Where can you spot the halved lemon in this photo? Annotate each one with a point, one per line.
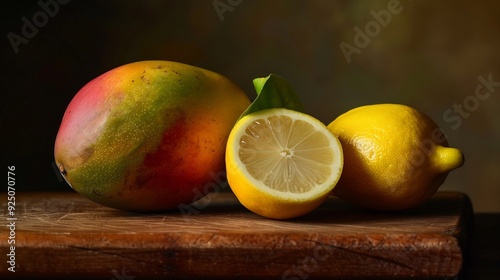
(281, 163)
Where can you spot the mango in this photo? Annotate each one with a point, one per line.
(148, 136)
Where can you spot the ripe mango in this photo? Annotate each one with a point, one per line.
(149, 135)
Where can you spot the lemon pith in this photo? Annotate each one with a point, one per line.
(282, 163)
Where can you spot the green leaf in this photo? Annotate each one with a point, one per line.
(273, 92)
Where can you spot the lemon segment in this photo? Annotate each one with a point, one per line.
(282, 163)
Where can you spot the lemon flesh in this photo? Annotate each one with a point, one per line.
(282, 163)
(395, 156)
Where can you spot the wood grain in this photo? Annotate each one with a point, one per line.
(64, 235)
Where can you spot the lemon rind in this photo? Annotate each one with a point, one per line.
(316, 192)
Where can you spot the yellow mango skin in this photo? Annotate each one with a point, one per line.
(149, 135)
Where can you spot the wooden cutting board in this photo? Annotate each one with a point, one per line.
(64, 235)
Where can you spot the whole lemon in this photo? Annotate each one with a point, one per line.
(394, 156)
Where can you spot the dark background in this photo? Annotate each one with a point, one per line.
(428, 56)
